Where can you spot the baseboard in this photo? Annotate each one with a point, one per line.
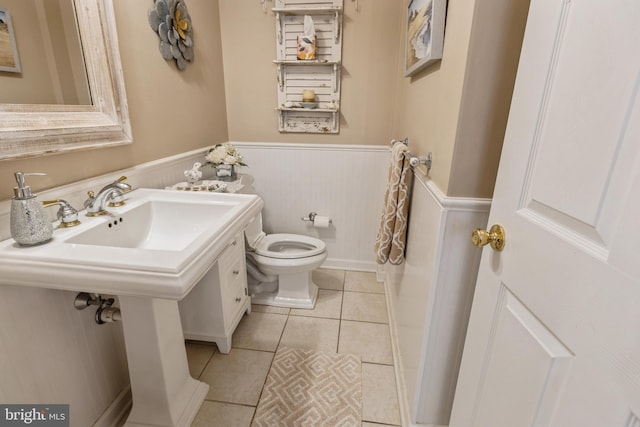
(397, 367)
(115, 414)
(401, 389)
(347, 264)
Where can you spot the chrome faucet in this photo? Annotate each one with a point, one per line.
(110, 194)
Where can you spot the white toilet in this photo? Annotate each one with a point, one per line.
(280, 265)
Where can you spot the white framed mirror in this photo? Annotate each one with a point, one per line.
(37, 129)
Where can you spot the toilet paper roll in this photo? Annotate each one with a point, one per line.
(321, 221)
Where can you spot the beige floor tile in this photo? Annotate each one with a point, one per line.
(237, 377)
(364, 307)
(328, 305)
(371, 341)
(379, 396)
(198, 355)
(258, 308)
(259, 331)
(361, 281)
(216, 414)
(311, 333)
(328, 279)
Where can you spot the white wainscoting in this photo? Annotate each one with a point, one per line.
(344, 182)
(52, 353)
(429, 300)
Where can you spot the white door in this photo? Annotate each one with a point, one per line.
(554, 335)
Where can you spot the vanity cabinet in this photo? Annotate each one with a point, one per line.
(322, 74)
(215, 306)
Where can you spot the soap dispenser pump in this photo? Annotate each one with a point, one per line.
(30, 224)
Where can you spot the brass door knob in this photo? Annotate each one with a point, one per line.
(494, 237)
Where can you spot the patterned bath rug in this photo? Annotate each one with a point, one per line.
(311, 388)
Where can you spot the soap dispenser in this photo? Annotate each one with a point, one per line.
(30, 224)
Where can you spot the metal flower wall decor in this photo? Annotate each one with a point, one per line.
(170, 19)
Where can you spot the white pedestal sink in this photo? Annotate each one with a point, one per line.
(150, 253)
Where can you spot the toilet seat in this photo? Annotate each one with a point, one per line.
(289, 246)
(281, 245)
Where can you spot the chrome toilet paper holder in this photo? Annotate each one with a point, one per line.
(311, 217)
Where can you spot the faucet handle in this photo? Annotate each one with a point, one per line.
(90, 200)
(117, 198)
(67, 214)
(121, 185)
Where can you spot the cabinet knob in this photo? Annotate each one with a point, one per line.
(236, 272)
(235, 242)
(238, 299)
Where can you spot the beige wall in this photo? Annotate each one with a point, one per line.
(33, 84)
(370, 52)
(171, 111)
(66, 52)
(458, 107)
(496, 40)
(428, 104)
(50, 54)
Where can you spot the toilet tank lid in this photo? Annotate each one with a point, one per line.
(253, 233)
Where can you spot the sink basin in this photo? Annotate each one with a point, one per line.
(158, 245)
(157, 225)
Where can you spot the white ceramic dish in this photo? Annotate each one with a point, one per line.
(309, 105)
(205, 185)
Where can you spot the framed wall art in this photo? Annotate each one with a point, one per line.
(9, 60)
(425, 34)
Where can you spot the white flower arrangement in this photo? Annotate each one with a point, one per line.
(224, 154)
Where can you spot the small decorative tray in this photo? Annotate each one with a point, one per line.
(204, 185)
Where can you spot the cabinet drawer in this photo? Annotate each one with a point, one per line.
(233, 276)
(233, 251)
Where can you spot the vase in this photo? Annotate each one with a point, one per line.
(226, 173)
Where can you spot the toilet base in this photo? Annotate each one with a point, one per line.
(288, 292)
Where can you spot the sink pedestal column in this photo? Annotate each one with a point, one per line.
(164, 394)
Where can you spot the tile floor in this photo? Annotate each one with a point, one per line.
(350, 317)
